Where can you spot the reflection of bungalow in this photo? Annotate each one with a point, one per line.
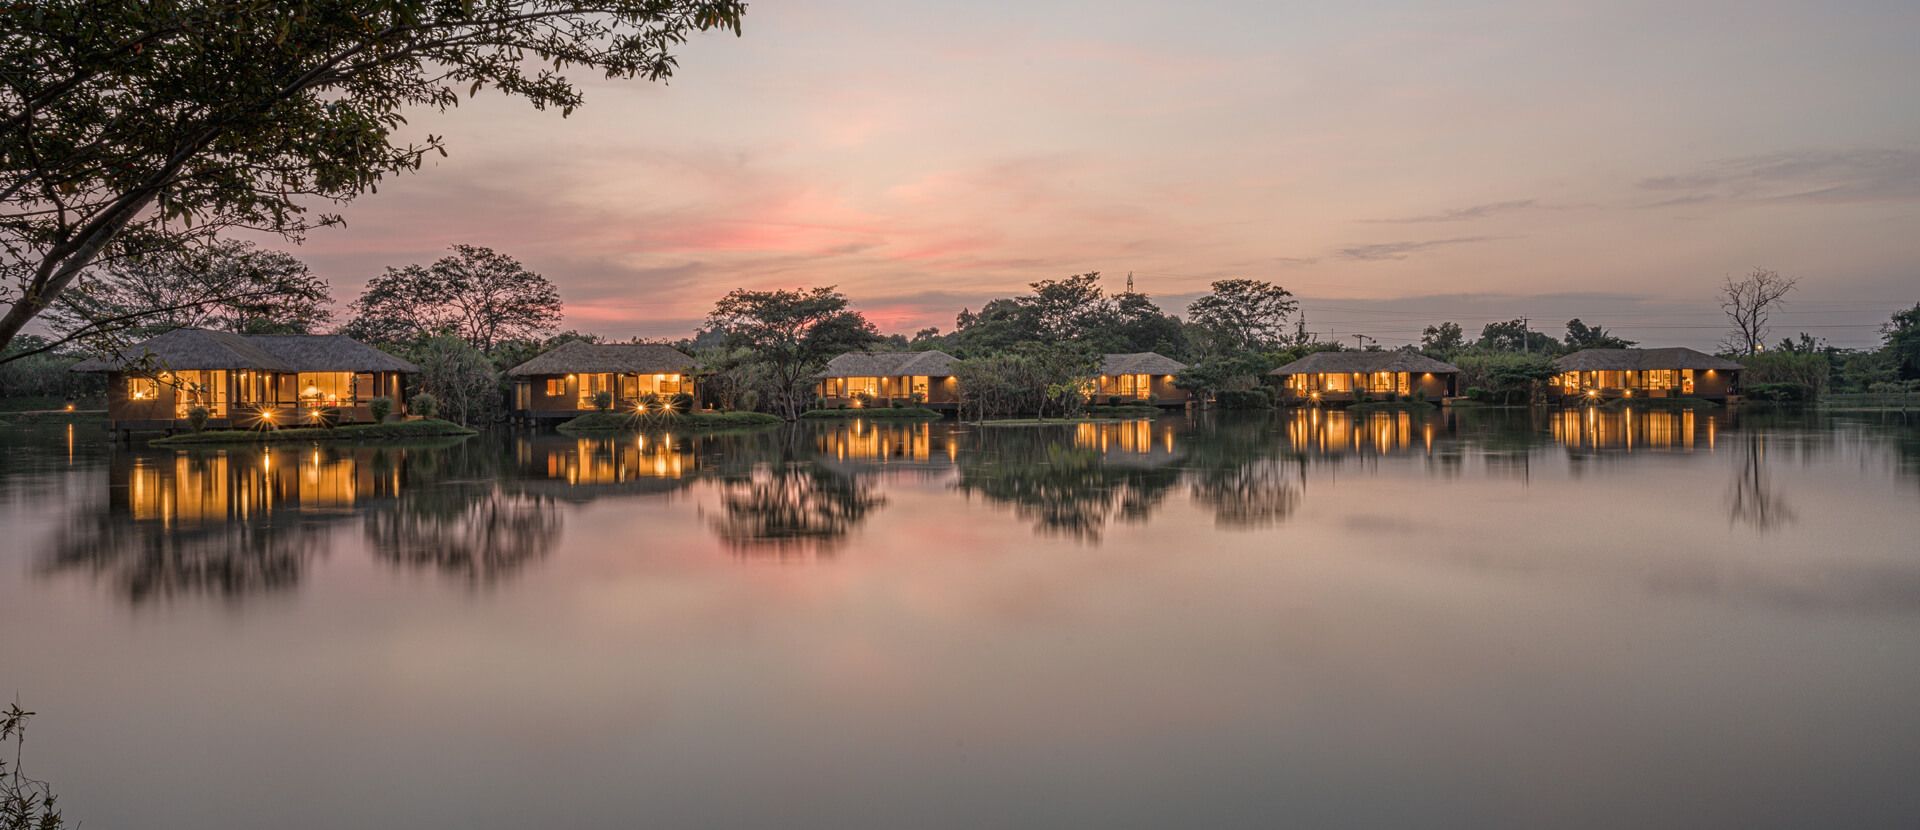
(883, 377)
(1140, 377)
(1334, 376)
(1654, 373)
(241, 379)
(563, 381)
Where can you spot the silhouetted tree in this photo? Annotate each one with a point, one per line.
(475, 294)
(1243, 314)
(1749, 303)
(791, 335)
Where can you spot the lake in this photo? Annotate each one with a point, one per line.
(1479, 618)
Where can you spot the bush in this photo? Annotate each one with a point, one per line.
(1360, 395)
(424, 404)
(381, 408)
(1783, 368)
(863, 399)
(896, 403)
(1419, 394)
(681, 402)
(1113, 400)
(197, 417)
(747, 401)
(1243, 399)
(603, 400)
(1780, 392)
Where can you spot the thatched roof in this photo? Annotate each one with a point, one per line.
(579, 356)
(932, 363)
(1140, 363)
(192, 349)
(1636, 360)
(1336, 363)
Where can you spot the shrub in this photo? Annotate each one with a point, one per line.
(1787, 368)
(1243, 399)
(197, 417)
(863, 399)
(918, 398)
(424, 404)
(896, 403)
(1419, 395)
(381, 408)
(603, 400)
(747, 401)
(1478, 394)
(1780, 392)
(1360, 394)
(651, 403)
(1113, 400)
(681, 402)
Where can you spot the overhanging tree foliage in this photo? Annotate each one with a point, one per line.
(133, 127)
(226, 285)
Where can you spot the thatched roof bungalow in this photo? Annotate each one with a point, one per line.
(563, 381)
(1657, 373)
(244, 379)
(862, 378)
(1139, 377)
(1336, 376)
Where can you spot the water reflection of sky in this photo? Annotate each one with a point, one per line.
(1621, 619)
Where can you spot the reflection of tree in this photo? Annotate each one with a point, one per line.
(1063, 489)
(791, 507)
(1237, 471)
(229, 559)
(1752, 500)
(477, 534)
(1260, 493)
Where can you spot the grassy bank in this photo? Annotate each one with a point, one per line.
(22, 419)
(625, 422)
(1125, 410)
(876, 413)
(392, 431)
(1871, 402)
(1667, 404)
(1047, 422)
(1392, 406)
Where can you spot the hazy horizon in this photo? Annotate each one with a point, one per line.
(1392, 165)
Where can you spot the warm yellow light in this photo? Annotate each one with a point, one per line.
(69, 407)
(1627, 393)
(266, 414)
(1593, 393)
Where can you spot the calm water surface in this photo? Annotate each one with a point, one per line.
(1481, 619)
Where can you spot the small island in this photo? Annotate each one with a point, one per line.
(389, 431)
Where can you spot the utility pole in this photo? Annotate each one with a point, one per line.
(1361, 339)
(1129, 282)
(1526, 336)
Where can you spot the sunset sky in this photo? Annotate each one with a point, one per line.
(1393, 163)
